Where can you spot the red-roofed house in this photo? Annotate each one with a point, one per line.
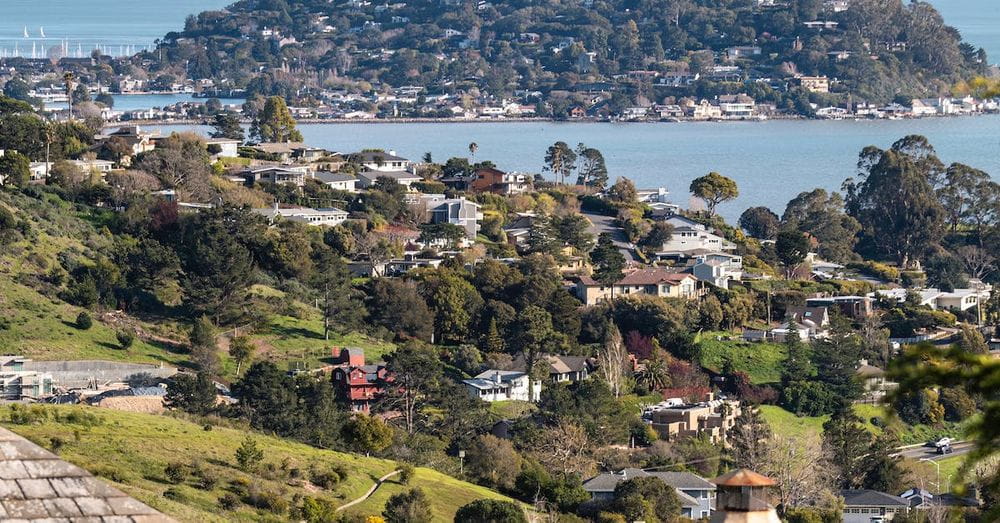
(358, 384)
(654, 282)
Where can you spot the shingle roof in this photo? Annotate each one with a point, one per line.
(38, 486)
(645, 277)
(871, 498)
(607, 481)
(328, 177)
(743, 478)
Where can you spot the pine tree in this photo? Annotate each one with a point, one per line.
(204, 350)
(749, 440)
(492, 341)
(797, 365)
(248, 455)
(275, 123)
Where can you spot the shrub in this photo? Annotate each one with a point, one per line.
(876, 270)
(228, 501)
(490, 510)
(125, 339)
(406, 472)
(56, 443)
(248, 456)
(84, 321)
(176, 472)
(175, 494)
(268, 500)
(325, 478)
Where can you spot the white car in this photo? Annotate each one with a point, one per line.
(943, 442)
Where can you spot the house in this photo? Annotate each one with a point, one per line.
(502, 385)
(921, 499)
(337, 181)
(367, 179)
(380, 161)
(814, 84)
(703, 110)
(871, 506)
(498, 182)
(222, 147)
(436, 208)
(393, 267)
(815, 319)
(736, 106)
(18, 385)
(782, 333)
(519, 229)
(686, 240)
(654, 282)
(325, 216)
(697, 495)
(742, 51)
(277, 175)
(919, 107)
(956, 300)
(134, 138)
(718, 268)
(280, 151)
(873, 381)
(562, 369)
(356, 383)
(854, 307)
(711, 419)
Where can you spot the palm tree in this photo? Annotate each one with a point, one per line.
(656, 374)
(473, 147)
(68, 82)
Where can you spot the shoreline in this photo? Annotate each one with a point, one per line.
(391, 121)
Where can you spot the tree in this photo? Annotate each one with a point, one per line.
(971, 340)
(714, 189)
(367, 434)
(750, 440)
(493, 461)
(659, 234)
(227, 125)
(473, 147)
(398, 307)
(760, 223)
(249, 455)
(533, 337)
(241, 349)
(894, 200)
(624, 192)
(883, 466)
(338, 299)
(791, 249)
(821, 216)
(978, 262)
(274, 123)
(195, 394)
(797, 365)
(408, 507)
(68, 80)
(847, 443)
(490, 511)
(125, 339)
(416, 374)
(84, 321)
(613, 362)
(608, 261)
(593, 171)
(15, 169)
(204, 350)
(639, 497)
(560, 160)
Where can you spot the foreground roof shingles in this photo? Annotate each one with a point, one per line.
(35, 485)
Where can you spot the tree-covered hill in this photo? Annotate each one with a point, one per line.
(874, 50)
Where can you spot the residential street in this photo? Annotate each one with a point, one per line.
(600, 223)
(930, 453)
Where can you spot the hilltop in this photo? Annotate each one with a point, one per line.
(554, 53)
(133, 451)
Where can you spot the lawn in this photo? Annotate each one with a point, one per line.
(761, 361)
(789, 425)
(131, 451)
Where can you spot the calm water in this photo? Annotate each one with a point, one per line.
(977, 20)
(771, 161)
(118, 26)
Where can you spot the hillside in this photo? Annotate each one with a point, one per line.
(132, 451)
(36, 321)
(875, 50)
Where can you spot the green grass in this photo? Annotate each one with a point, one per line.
(761, 361)
(131, 451)
(786, 424)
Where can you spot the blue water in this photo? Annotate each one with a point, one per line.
(117, 26)
(977, 20)
(771, 161)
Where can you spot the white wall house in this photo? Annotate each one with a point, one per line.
(502, 385)
(329, 216)
(687, 239)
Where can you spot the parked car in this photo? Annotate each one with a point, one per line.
(943, 442)
(945, 449)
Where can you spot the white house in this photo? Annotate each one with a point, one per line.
(337, 181)
(689, 240)
(502, 385)
(718, 268)
(381, 161)
(222, 147)
(328, 216)
(404, 178)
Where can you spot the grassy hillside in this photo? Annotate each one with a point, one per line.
(787, 424)
(761, 361)
(133, 450)
(35, 322)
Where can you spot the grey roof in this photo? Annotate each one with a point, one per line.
(38, 486)
(328, 177)
(871, 498)
(607, 481)
(395, 175)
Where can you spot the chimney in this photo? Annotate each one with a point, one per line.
(275, 205)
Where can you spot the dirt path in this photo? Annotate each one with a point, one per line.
(369, 493)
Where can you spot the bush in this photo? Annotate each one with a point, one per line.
(84, 321)
(406, 472)
(268, 500)
(176, 472)
(490, 511)
(876, 270)
(125, 339)
(175, 494)
(326, 479)
(228, 501)
(808, 398)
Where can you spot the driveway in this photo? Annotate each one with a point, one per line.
(600, 223)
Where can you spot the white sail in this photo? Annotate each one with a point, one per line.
(26, 31)
(41, 31)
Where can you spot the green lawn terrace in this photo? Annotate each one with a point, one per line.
(132, 452)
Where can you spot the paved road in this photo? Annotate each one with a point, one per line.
(600, 223)
(929, 453)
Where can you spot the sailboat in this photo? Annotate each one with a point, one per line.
(26, 32)
(41, 31)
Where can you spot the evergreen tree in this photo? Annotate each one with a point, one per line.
(797, 365)
(204, 350)
(847, 443)
(227, 125)
(714, 189)
(274, 123)
(560, 160)
(194, 394)
(608, 261)
(492, 341)
(883, 467)
(408, 507)
(249, 455)
(749, 439)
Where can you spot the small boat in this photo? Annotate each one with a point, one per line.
(26, 32)
(41, 31)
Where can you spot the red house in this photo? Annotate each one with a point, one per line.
(358, 384)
